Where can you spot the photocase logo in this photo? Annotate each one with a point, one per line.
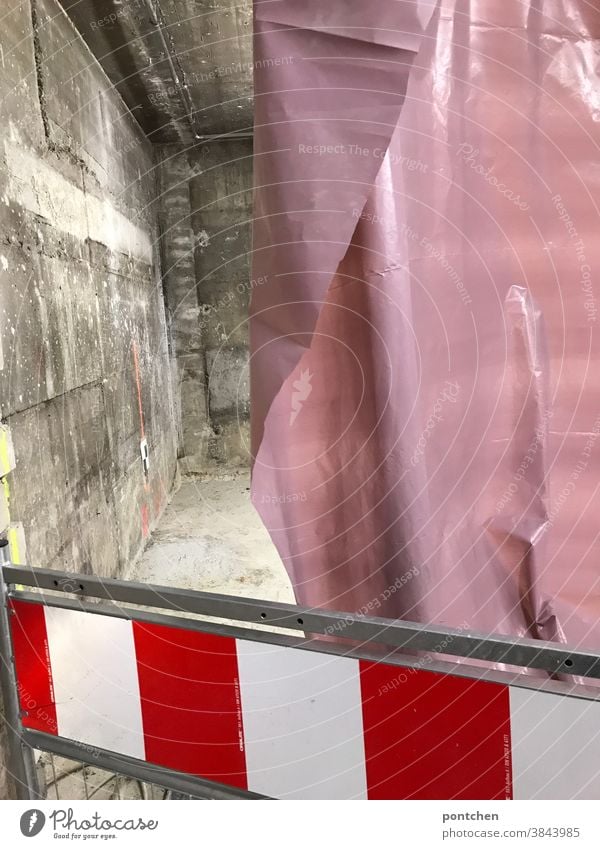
(32, 822)
(302, 389)
(64, 823)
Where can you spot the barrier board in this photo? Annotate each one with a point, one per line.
(293, 724)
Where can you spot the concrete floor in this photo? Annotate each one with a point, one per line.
(211, 538)
(67, 780)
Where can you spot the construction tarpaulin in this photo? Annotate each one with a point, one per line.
(425, 380)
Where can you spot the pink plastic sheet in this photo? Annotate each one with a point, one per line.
(425, 380)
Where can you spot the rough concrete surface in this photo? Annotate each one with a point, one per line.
(211, 538)
(85, 366)
(205, 210)
(124, 287)
(65, 779)
(85, 363)
(184, 70)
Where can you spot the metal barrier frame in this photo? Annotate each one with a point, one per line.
(364, 637)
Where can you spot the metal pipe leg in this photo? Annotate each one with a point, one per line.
(21, 761)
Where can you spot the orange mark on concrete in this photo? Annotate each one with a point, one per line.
(145, 521)
(138, 382)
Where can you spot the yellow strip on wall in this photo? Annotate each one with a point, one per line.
(5, 453)
(14, 544)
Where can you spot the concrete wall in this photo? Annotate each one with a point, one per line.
(84, 365)
(206, 215)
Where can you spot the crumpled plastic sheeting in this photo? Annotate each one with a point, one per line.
(425, 387)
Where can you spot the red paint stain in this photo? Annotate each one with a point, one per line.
(145, 521)
(138, 383)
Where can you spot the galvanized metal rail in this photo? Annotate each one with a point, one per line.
(21, 763)
(394, 641)
(410, 636)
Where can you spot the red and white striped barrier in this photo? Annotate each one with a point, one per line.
(296, 724)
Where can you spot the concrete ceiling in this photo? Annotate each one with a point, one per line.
(184, 67)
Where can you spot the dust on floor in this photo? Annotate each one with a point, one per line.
(211, 538)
